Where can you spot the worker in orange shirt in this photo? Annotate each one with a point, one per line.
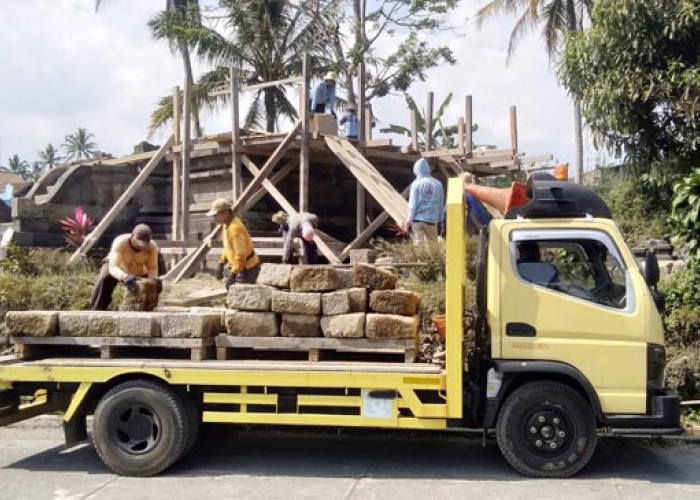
(239, 252)
(132, 256)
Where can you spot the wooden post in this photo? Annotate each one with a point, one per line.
(360, 208)
(368, 123)
(469, 119)
(236, 180)
(361, 110)
(460, 134)
(109, 217)
(514, 130)
(414, 130)
(187, 117)
(177, 167)
(304, 151)
(429, 123)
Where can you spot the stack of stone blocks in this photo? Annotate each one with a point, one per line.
(322, 301)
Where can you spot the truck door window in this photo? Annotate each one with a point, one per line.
(581, 268)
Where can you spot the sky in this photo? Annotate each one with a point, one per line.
(63, 66)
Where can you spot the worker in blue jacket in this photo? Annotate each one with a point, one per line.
(323, 99)
(349, 122)
(425, 204)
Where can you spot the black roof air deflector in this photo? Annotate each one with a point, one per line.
(552, 199)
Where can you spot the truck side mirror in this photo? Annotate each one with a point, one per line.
(651, 269)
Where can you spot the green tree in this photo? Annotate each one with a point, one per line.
(172, 25)
(79, 146)
(49, 156)
(18, 166)
(558, 19)
(637, 74)
(265, 40)
(393, 63)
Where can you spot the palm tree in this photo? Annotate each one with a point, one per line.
(558, 18)
(79, 146)
(266, 41)
(18, 166)
(49, 156)
(181, 15)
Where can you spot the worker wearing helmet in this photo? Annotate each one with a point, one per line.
(239, 252)
(300, 225)
(323, 98)
(132, 255)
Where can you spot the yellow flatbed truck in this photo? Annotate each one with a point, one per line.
(569, 345)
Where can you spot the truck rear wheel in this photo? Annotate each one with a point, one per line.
(140, 428)
(546, 430)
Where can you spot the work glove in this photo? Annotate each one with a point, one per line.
(159, 285)
(130, 284)
(220, 271)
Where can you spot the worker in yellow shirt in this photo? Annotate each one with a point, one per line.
(132, 256)
(239, 252)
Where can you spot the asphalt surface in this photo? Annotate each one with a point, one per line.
(259, 464)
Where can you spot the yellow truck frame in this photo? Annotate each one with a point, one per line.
(593, 381)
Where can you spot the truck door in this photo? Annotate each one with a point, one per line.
(567, 296)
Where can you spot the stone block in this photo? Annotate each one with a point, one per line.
(344, 278)
(334, 303)
(74, 323)
(372, 277)
(190, 325)
(358, 299)
(139, 324)
(403, 302)
(363, 255)
(251, 324)
(391, 326)
(314, 279)
(344, 326)
(104, 324)
(296, 303)
(300, 325)
(144, 299)
(276, 275)
(250, 297)
(32, 323)
(384, 261)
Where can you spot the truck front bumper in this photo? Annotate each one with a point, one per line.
(664, 418)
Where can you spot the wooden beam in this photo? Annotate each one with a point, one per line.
(236, 182)
(187, 112)
(369, 230)
(428, 136)
(224, 91)
(469, 121)
(287, 207)
(369, 118)
(514, 129)
(361, 104)
(258, 195)
(414, 130)
(177, 167)
(436, 153)
(109, 217)
(304, 125)
(360, 208)
(460, 134)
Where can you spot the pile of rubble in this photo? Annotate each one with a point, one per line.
(314, 301)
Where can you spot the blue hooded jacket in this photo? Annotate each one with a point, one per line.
(427, 196)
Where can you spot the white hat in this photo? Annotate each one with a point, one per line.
(219, 205)
(330, 76)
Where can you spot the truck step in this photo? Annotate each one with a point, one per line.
(197, 349)
(316, 348)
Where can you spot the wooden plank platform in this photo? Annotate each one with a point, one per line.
(109, 347)
(316, 346)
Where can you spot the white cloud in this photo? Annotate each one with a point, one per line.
(65, 66)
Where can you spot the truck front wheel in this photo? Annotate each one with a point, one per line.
(546, 430)
(140, 428)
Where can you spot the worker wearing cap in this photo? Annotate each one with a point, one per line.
(239, 252)
(323, 99)
(132, 256)
(298, 225)
(425, 203)
(349, 122)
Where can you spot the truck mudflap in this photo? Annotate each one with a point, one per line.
(665, 418)
(11, 411)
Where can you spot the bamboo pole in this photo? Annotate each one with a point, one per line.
(304, 151)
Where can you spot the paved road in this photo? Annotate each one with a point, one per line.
(261, 464)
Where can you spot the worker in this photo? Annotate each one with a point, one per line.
(132, 256)
(323, 99)
(424, 204)
(239, 253)
(350, 122)
(298, 225)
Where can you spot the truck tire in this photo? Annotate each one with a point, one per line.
(546, 430)
(194, 419)
(140, 428)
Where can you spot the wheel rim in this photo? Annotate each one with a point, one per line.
(136, 429)
(548, 431)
